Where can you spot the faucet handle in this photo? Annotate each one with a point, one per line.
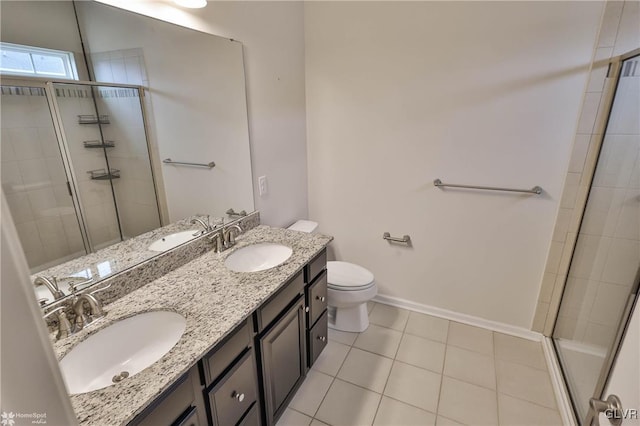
(64, 326)
(54, 311)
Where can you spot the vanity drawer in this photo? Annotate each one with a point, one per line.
(190, 418)
(169, 408)
(221, 357)
(318, 338)
(266, 314)
(315, 266)
(317, 298)
(235, 393)
(252, 418)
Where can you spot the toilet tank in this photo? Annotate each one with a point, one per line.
(307, 226)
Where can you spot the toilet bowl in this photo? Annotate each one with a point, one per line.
(349, 288)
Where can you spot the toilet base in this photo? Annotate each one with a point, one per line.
(354, 319)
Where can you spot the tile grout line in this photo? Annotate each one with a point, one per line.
(495, 373)
(444, 361)
(334, 377)
(384, 388)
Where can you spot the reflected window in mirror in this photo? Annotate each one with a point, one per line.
(30, 61)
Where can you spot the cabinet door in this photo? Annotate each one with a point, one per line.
(282, 350)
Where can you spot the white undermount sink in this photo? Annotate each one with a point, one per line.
(121, 350)
(173, 240)
(258, 257)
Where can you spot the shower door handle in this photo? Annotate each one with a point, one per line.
(611, 407)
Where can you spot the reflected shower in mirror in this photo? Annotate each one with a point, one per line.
(82, 164)
(65, 193)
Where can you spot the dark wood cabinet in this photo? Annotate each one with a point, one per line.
(249, 378)
(316, 298)
(178, 405)
(283, 360)
(235, 393)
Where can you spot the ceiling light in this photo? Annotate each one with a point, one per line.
(191, 4)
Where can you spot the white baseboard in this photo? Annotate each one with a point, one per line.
(562, 394)
(500, 327)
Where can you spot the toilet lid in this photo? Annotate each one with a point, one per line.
(348, 276)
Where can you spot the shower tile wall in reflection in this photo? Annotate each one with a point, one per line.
(135, 192)
(34, 181)
(137, 203)
(95, 195)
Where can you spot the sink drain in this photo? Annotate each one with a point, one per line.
(120, 377)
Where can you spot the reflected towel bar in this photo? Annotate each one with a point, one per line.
(405, 239)
(210, 165)
(535, 190)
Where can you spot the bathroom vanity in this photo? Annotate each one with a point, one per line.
(249, 340)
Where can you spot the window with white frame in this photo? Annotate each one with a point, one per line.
(16, 59)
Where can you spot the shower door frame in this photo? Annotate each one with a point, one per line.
(47, 84)
(615, 68)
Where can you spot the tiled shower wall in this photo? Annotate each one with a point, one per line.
(137, 203)
(34, 181)
(608, 246)
(95, 195)
(619, 34)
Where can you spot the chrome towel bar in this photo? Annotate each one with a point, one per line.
(405, 239)
(535, 190)
(210, 165)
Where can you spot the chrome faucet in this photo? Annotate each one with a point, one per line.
(218, 239)
(228, 235)
(206, 226)
(224, 237)
(51, 285)
(95, 310)
(64, 326)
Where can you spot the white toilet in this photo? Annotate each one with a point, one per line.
(349, 288)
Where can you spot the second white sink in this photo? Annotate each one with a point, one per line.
(121, 350)
(173, 240)
(258, 257)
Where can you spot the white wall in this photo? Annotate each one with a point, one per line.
(399, 94)
(22, 22)
(272, 35)
(197, 89)
(30, 379)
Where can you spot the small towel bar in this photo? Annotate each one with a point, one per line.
(405, 239)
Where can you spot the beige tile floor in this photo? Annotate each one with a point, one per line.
(409, 368)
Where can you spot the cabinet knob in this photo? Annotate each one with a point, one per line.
(306, 309)
(320, 298)
(322, 338)
(238, 396)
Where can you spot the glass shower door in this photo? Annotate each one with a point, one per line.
(605, 267)
(35, 180)
(87, 151)
(106, 140)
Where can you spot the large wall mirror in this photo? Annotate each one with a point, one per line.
(84, 166)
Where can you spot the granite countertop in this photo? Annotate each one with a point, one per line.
(213, 300)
